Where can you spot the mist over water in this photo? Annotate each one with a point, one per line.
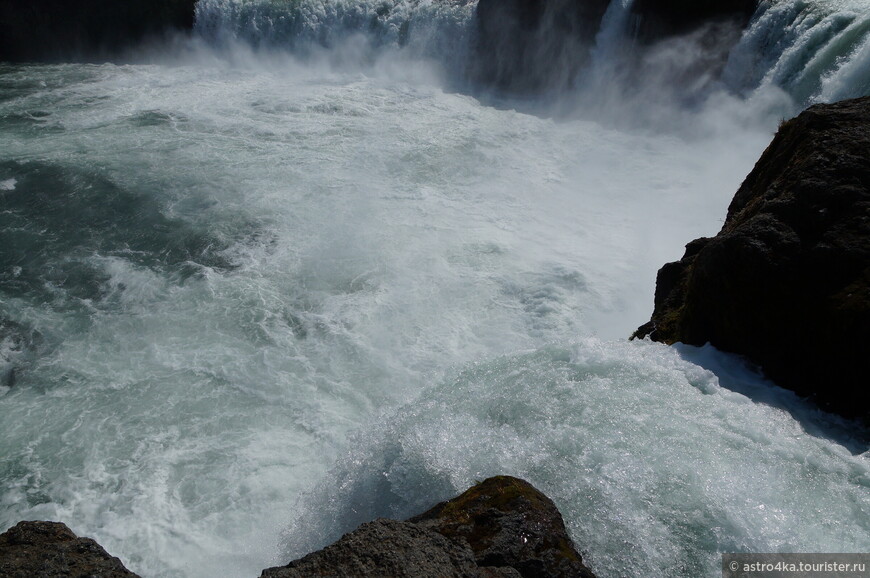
(299, 271)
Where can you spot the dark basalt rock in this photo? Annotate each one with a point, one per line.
(51, 550)
(661, 18)
(502, 527)
(534, 45)
(507, 522)
(786, 282)
(384, 548)
(53, 30)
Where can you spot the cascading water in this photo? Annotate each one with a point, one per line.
(815, 51)
(423, 28)
(281, 281)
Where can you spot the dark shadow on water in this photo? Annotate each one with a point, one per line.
(739, 375)
(55, 219)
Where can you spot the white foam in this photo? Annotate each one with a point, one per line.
(460, 274)
(814, 50)
(851, 77)
(635, 444)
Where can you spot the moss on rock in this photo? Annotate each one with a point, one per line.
(507, 522)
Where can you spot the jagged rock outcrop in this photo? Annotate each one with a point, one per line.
(51, 550)
(786, 282)
(502, 527)
(660, 18)
(507, 522)
(54, 30)
(534, 45)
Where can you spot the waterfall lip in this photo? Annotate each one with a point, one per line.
(798, 47)
(793, 45)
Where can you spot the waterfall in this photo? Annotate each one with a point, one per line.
(814, 51)
(302, 269)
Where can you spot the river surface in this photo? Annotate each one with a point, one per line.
(252, 296)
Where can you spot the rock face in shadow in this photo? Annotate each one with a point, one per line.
(502, 527)
(54, 30)
(661, 18)
(51, 550)
(533, 45)
(786, 282)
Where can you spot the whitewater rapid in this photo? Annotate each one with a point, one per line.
(255, 299)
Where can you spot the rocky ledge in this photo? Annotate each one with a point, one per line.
(500, 528)
(786, 282)
(51, 550)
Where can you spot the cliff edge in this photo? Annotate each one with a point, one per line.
(501, 527)
(786, 282)
(52, 550)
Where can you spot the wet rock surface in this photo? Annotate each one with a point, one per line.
(384, 548)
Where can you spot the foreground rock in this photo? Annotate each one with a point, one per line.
(502, 527)
(507, 522)
(384, 548)
(51, 550)
(786, 282)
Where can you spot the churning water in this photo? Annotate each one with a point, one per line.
(289, 277)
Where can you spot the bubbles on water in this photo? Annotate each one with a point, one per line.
(635, 445)
(269, 254)
(850, 77)
(59, 221)
(812, 50)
